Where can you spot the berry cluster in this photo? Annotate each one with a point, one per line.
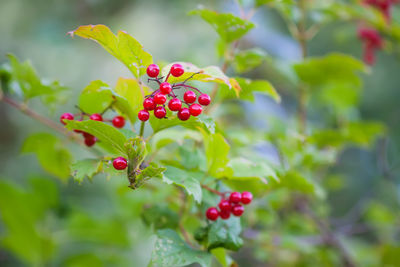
(156, 102)
(90, 140)
(230, 205)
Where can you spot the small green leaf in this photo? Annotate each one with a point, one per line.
(160, 217)
(122, 46)
(248, 59)
(183, 179)
(152, 171)
(52, 155)
(228, 26)
(225, 234)
(112, 139)
(171, 251)
(96, 97)
(85, 168)
(260, 86)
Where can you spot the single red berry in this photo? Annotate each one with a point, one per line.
(235, 197)
(160, 99)
(90, 140)
(175, 104)
(237, 210)
(149, 103)
(189, 97)
(165, 88)
(120, 163)
(177, 70)
(153, 70)
(160, 112)
(66, 116)
(247, 197)
(204, 99)
(184, 114)
(87, 135)
(195, 110)
(225, 214)
(212, 214)
(118, 121)
(96, 117)
(224, 205)
(143, 115)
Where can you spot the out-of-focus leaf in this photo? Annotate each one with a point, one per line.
(300, 183)
(201, 122)
(244, 169)
(85, 168)
(83, 260)
(248, 59)
(160, 217)
(96, 97)
(225, 234)
(122, 46)
(168, 136)
(112, 139)
(183, 179)
(333, 68)
(217, 150)
(222, 257)
(171, 251)
(228, 26)
(152, 171)
(50, 152)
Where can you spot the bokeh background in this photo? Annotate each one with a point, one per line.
(97, 215)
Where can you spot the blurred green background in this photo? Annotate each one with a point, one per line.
(105, 225)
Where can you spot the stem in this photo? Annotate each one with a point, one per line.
(142, 128)
(185, 85)
(212, 190)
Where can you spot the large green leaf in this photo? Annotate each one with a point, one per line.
(185, 180)
(217, 150)
(122, 46)
(228, 26)
(244, 169)
(85, 168)
(171, 251)
(112, 139)
(225, 234)
(96, 97)
(50, 152)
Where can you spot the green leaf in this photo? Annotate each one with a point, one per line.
(248, 59)
(160, 217)
(185, 180)
(333, 68)
(222, 257)
(50, 152)
(122, 46)
(248, 87)
(25, 80)
(85, 168)
(96, 97)
(152, 171)
(194, 73)
(169, 136)
(217, 150)
(364, 132)
(112, 139)
(244, 169)
(300, 183)
(228, 26)
(201, 122)
(225, 234)
(171, 251)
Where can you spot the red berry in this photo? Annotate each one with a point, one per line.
(225, 214)
(175, 104)
(153, 70)
(160, 99)
(90, 140)
(120, 163)
(189, 97)
(224, 205)
(160, 112)
(204, 99)
(184, 114)
(118, 121)
(237, 210)
(96, 117)
(177, 70)
(195, 110)
(212, 214)
(247, 197)
(235, 197)
(149, 104)
(66, 116)
(87, 135)
(165, 88)
(143, 115)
